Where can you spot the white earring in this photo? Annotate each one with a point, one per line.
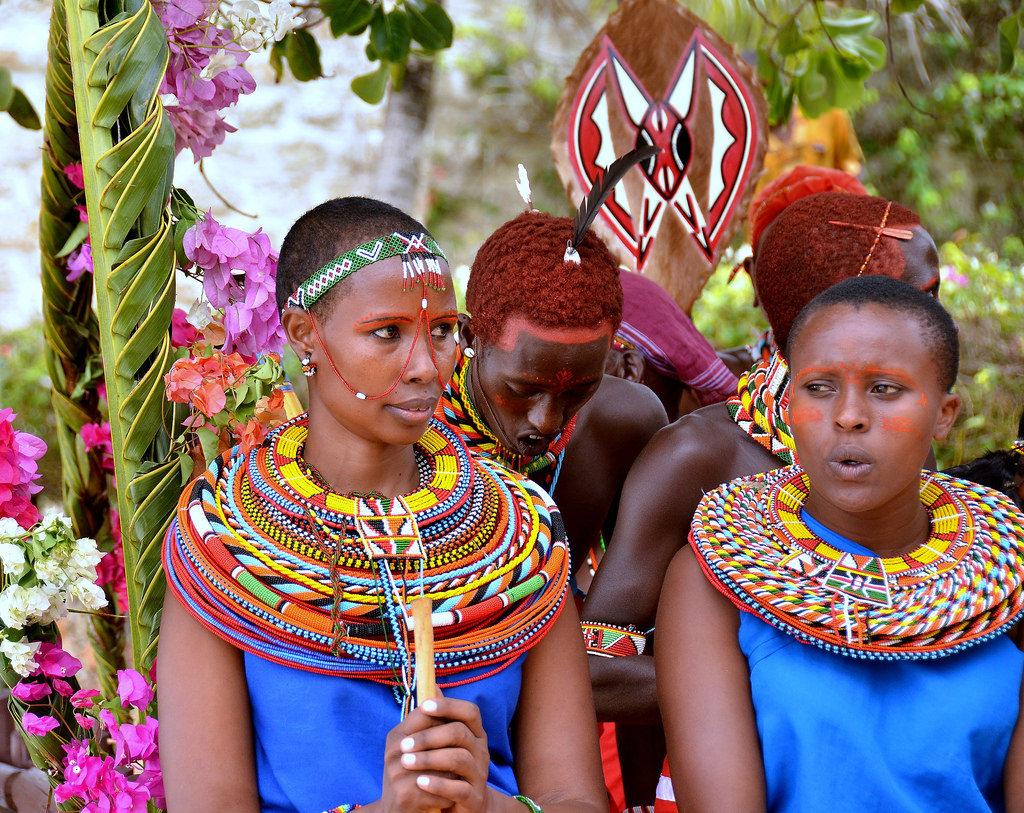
(469, 352)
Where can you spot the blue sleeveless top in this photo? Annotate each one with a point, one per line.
(846, 735)
(327, 748)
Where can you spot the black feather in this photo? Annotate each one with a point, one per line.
(591, 204)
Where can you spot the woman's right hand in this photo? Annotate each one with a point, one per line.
(437, 759)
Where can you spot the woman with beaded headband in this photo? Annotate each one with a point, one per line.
(800, 254)
(841, 634)
(288, 655)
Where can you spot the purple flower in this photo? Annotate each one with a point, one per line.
(80, 261)
(55, 662)
(133, 689)
(38, 726)
(134, 742)
(30, 692)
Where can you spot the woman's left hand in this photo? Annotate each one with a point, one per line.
(450, 756)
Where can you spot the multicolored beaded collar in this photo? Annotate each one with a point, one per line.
(963, 586)
(457, 408)
(761, 406)
(419, 253)
(269, 559)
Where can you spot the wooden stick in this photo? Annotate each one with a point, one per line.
(423, 639)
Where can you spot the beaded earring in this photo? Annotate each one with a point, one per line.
(308, 367)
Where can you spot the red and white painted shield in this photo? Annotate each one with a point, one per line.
(656, 74)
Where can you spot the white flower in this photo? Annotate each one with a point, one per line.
(12, 558)
(10, 529)
(24, 605)
(223, 60)
(87, 592)
(251, 40)
(200, 314)
(50, 570)
(84, 558)
(57, 609)
(21, 655)
(284, 18)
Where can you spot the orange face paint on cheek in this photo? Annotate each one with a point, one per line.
(898, 424)
(804, 415)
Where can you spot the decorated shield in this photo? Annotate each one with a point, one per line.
(657, 74)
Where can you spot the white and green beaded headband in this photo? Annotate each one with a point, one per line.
(420, 254)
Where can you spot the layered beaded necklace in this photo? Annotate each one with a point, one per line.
(268, 557)
(459, 411)
(761, 406)
(964, 585)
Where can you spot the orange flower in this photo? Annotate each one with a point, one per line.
(181, 381)
(209, 398)
(269, 410)
(250, 434)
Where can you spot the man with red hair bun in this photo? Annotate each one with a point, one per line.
(810, 245)
(530, 388)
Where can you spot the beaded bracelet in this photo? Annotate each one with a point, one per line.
(611, 641)
(342, 809)
(531, 805)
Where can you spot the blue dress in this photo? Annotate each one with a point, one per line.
(845, 735)
(328, 749)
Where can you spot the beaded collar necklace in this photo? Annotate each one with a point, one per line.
(459, 411)
(276, 563)
(964, 585)
(761, 406)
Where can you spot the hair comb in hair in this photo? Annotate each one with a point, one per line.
(591, 204)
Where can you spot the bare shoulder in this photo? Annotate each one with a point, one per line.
(624, 410)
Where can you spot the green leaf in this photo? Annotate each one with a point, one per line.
(75, 239)
(370, 87)
(398, 75)
(430, 27)
(1009, 36)
(791, 38)
(391, 35)
(812, 90)
(303, 54)
(904, 6)
(347, 16)
(23, 113)
(277, 54)
(850, 22)
(6, 89)
(870, 50)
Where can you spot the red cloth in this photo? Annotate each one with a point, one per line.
(612, 769)
(655, 325)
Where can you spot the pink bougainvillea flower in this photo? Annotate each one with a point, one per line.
(181, 381)
(84, 774)
(136, 741)
(30, 692)
(83, 213)
(55, 662)
(84, 721)
(62, 687)
(209, 398)
(83, 698)
(97, 436)
(38, 726)
(133, 689)
(182, 333)
(80, 261)
(19, 452)
(75, 174)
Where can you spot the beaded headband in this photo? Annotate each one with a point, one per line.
(420, 255)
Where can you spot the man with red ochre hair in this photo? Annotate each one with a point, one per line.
(530, 388)
(812, 244)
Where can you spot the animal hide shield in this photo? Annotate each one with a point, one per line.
(657, 74)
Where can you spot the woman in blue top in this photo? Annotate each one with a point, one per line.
(840, 635)
(287, 650)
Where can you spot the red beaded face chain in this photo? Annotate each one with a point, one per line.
(419, 263)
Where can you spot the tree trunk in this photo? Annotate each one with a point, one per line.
(405, 120)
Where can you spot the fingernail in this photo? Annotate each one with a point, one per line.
(407, 744)
(423, 780)
(408, 760)
(429, 705)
